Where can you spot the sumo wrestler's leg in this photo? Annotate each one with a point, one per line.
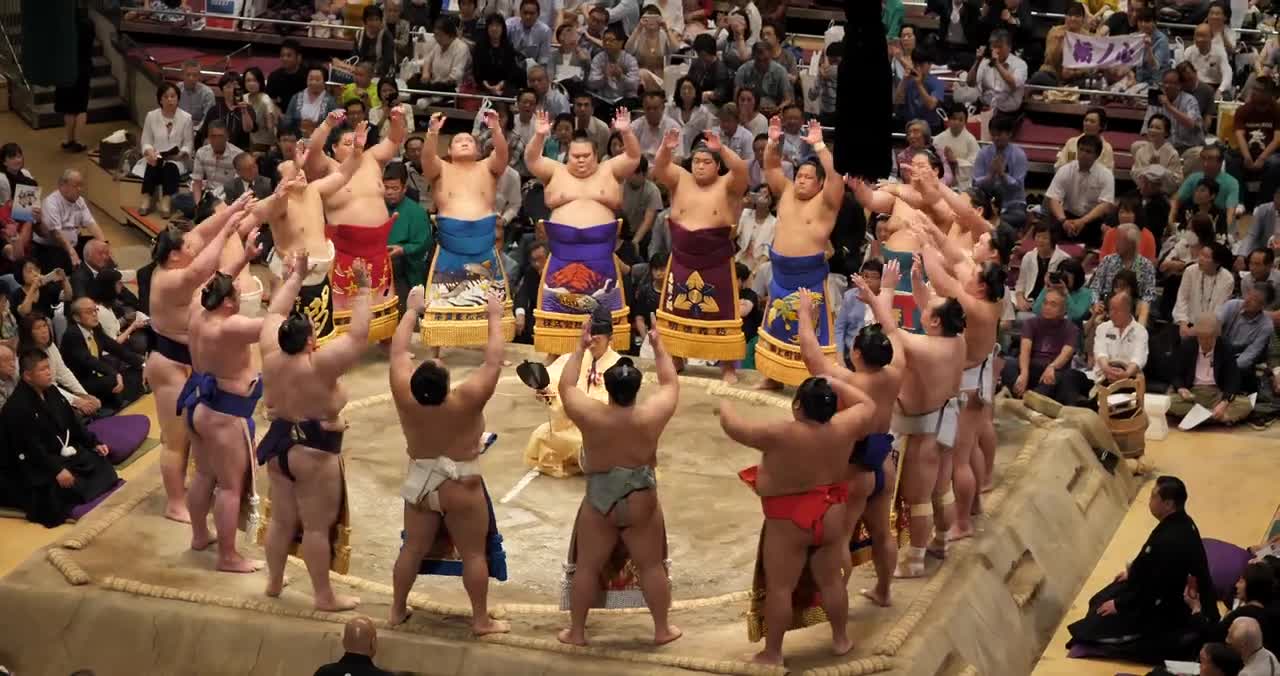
(963, 480)
(786, 547)
(884, 542)
(919, 475)
(227, 438)
(466, 514)
(826, 563)
(861, 483)
(987, 444)
(944, 501)
(319, 495)
(283, 526)
(595, 540)
(200, 493)
(646, 538)
(420, 527)
(166, 379)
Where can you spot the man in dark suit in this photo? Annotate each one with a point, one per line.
(56, 462)
(96, 258)
(526, 295)
(360, 644)
(247, 180)
(1207, 374)
(108, 370)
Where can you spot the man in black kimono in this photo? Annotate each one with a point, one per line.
(1142, 616)
(58, 462)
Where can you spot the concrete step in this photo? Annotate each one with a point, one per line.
(102, 86)
(101, 109)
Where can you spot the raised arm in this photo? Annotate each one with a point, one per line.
(832, 187)
(282, 301)
(881, 304)
(666, 172)
(848, 395)
(388, 148)
(738, 174)
(205, 263)
(541, 167)
(334, 180)
(401, 358)
(624, 165)
(211, 226)
(761, 436)
(316, 161)
(342, 353)
(810, 349)
(501, 154)
(933, 190)
(875, 201)
(431, 165)
(668, 394)
(479, 386)
(946, 283)
(772, 165)
(573, 399)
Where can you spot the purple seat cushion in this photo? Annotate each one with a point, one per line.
(79, 511)
(1082, 651)
(122, 434)
(1226, 565)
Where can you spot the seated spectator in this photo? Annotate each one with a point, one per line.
(1228, 195)
(446, 61)
(63, 214)
(749, 116)
(59, 463)
(918, 140)
(1205, 287)
(1180, 107)
(1015, 18)
(737, 137)
(1153, 149)
(1217, 16)
(39, 293)
(8, 324)
(570, 62)
(1052, 73)
(756, 227)
(409, 243)
(1120, 344)
(709, 73)
(550, 99)
(1001, 170)
(1129, 210)
(1157, 58)
(999, 78)
(584, 120)
(358, 112)
(118, 307)
(1245, 637)
(524, 121)
(764, 75)
(1125, 282)
(1257, 136)
(592, 33)
(641, 202)
(195, 97)
(854, 312)
(736, 38)
(1248, 329)
(1068, 279)
(96, 258)
(1255, 594)
(1260, 267)
(247, 180)
(957, 147)
(959, 29)
(1201, 92)
(1211, 62)
(530, 36)
(495, 65)
(376, 44)
(1082, 195)
(399, 27)
(755, 166)
(266, 114)
(689, 113)
(1203, 205)
(1126, 257)
(237, 117)
(13, 171)
(1207, 373)
(1180, 249)
(919, 94)
(826, 86)
(35, 332)
(269, 164)
(1036, 264)
(650, 44)
(644, 289)
(359, 645)
(8, 381)
(109, 371)
(311, 104)
(167, 148)
(1044, 362)
(1095, 122)
(557, 145)
(902, 51)
(615, 76)
(1262, 229)
(1155, 203)
(290, 78)
(794, 148)
(1123, 23)
(526, 294)
(214, 168)
(470, 23)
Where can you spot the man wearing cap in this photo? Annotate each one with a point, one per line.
(554, 447)
(620, 438)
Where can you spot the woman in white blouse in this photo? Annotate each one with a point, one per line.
(1205, 286)
(688, 111)
(167, 140)
(265, 112)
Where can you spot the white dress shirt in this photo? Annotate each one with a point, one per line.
(67, 218)
(754, 237)
(1213, 68)
(1199, 294)
(1080, 191)
(1128, 345)
(995, 91)
(965, 149)
(448, 64)
(650, 137)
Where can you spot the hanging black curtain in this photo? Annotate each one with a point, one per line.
(50, 42)
(864, 103)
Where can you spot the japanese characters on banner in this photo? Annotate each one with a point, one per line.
(1088, 52)
(230, 8)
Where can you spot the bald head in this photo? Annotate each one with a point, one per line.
(360, 637)
(1245, 635)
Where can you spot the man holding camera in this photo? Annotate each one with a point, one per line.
(1000, 77)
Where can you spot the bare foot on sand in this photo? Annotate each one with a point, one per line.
(877, 597)
(729, 377)
(176, 511)
(764, 657)
(908, 569)
(200, 543)
(489, 626)
(274, 590)
(399, 616)
(566, 636)
(768, 385)
(664, 637)
(958, 533)
(337, 603)
(239, 564)
(841, 646)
